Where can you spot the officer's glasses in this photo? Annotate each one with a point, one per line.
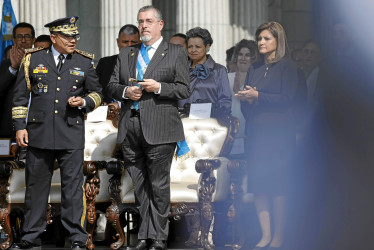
(69, 38)
(20, 37)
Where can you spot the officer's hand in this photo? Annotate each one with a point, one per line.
(150, 85)
(75, 101)
(22, 138)
(134, 93)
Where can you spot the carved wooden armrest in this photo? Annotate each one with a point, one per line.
(6, 169)
(207, 165)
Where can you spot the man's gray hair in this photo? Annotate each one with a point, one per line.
(158, 14)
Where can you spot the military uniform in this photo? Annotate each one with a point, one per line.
(55, 131)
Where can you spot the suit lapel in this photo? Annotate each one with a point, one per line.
(157, 58)
(51, 61)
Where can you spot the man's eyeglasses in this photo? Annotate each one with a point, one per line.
(20, 37)
(149, 22)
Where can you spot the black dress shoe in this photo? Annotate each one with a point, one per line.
(78, 245)
(158, 245)
(141, 245)
(25, 245)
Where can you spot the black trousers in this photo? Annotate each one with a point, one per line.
(39, 170)
(149, 167)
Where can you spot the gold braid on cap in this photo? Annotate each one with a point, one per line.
(67, 29)
(19, 112)
(96, 98)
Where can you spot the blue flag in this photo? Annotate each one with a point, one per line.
(7, 24)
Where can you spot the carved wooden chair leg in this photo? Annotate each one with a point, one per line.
(235, 213)
(92, 190)
(5, 224)
(112, 215)
(193, 239)
(6, 169)
(207, 211)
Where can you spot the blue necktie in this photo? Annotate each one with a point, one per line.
(141, 66)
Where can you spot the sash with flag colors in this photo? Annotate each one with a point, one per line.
(7, 23)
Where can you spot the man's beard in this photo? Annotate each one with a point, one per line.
(146, 38)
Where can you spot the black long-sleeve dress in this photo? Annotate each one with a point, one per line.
(270, 126)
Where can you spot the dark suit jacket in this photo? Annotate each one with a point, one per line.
(7, 81)
(52, 123)
(104, 69)
(159, 115)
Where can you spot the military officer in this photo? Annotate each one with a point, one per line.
(64, 86)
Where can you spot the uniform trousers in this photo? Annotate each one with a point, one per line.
(39, 171)
(149, 167)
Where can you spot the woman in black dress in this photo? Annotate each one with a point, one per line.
(266, 103)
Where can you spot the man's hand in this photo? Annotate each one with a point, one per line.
(22, 138)
(16, 55)
(134, 93)
(150, 85)
(75, 101)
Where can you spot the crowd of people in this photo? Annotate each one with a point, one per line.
(275, 93)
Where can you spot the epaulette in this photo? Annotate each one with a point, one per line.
(32, 50)
(86, 54)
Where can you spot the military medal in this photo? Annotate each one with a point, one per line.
(40, 87)
(40, 69)
(76, 72)
(45, 88)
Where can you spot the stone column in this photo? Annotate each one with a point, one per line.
(246, 16)
(227, 21)
(115, 14)
(39, 12)
(213, 15)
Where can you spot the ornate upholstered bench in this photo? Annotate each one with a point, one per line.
(197, 183)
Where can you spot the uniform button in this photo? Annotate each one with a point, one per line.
(76, 80)
(77, 122)
(56, 101)
(56, 111)
(58, 89)
(40, 78)
(58, 78)
(33, 119)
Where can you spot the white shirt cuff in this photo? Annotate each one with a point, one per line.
(12, 71)
(159, 91)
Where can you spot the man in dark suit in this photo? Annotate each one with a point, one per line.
(64, 86)
(23, 38)
(150, 125)
(128, 35)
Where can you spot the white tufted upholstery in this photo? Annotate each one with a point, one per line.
(205, 139)
(99, 145)
(17, 187)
